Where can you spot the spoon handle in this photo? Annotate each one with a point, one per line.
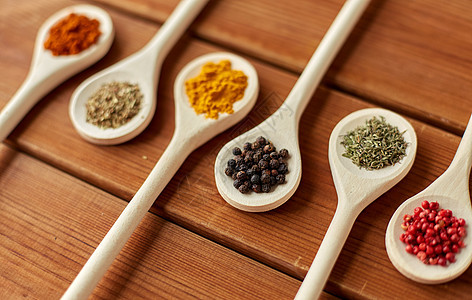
(325, 258)
(327, 254)
(32, 89)
(324, 55)
(463, 157)
(103, 256)
(173, 28)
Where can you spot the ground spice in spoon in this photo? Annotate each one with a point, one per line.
(215, 89)
(72, 35)
(114, 104)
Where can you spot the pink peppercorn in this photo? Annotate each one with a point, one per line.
(434, 235)
(450, 257)
(434, 205)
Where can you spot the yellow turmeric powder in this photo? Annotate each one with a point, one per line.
(215, 89)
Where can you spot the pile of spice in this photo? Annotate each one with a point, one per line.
(114, 104)
(434, 235)
(72, 35)
(215, 89)
(257, 167)
(375, 145)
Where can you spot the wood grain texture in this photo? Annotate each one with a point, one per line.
(412, 56)
(50, 228)
(286, 238)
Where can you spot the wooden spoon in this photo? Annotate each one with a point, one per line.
(356, 188)
(191, 131)
(47, 71)
(451, 191)
(281, 128)
(143, 68)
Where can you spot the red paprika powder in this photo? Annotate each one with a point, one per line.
(72, 35)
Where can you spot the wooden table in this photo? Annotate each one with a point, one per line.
(59, 195)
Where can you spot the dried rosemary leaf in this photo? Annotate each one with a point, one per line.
(375, 145)
(114, 104)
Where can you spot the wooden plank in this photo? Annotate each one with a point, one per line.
(50, 223)
(400, 55)
(286, 238)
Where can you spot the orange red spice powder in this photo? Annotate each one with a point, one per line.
(72, 35)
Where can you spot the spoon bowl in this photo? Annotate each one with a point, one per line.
(116, 73)
(356, 189)
(357, 119)
(142, 68)
(281, 134)
(191, 131)
(451, 191)
(47, 71)
(197, 126)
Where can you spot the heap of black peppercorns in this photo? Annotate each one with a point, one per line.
(258, 166)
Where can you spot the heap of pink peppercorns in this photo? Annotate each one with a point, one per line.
(434, 235)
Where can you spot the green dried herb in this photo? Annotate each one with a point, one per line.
(375, 145)
(114, 104)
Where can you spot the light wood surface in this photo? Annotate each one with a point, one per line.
(192, 244)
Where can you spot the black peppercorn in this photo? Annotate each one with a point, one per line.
(255, 168)
(237, 183)
(266, 188)
(256, 188)
(282, 169)
(283, 153)
(261, 140)
(243, 188)
(238, 159)
(269, 148)
(232, 163)
(265, 178)
(280, 178)
(241, 175)
(248, 159)
(274, 164)
(229, 171)
(237, 151)
(263, 164)
(243, 167)
(257, 156)
(255, 179)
